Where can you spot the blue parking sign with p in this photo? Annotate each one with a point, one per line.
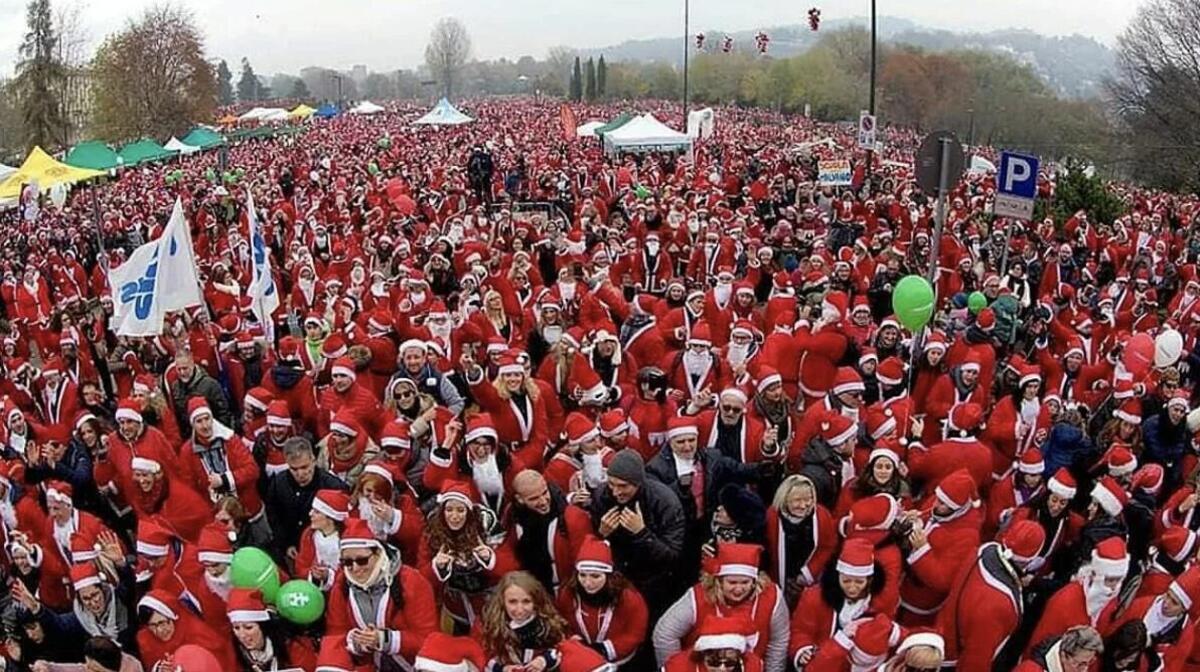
(1017, 175)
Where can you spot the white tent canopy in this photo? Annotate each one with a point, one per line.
(366, 107)
(700, 123)
(175, 145)
(981, 165)
(588, 130)
(264, 114)
(645, 133)
(5, 171)
(443, 114)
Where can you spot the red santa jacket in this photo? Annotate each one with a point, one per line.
(619, 628)
(524, 429)
(1068, 608)
(932, 567)
(365, 406)
(750, 433)
(932, 465)
(983, 610)
(824, 543)
(405, 627)
(241, 471)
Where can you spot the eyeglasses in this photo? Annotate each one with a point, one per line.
(732, 409)
(360, 561)
(405, 395)
(717, 660)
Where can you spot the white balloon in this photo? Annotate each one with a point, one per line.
(1168, 347)
(58, 194)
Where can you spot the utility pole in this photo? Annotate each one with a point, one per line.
(871, 99)
(686, 48)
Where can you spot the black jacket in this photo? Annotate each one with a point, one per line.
(718, 471)
(648, 556)
(288, 506)
(823, 466)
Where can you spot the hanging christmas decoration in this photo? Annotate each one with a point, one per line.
(700, 41)
(761, 40)
(814, 18)
(727, 44)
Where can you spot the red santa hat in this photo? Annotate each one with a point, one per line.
(1031, 462)
(1130, 411)
(1023, 539)
(767, 376)
(836, 301)
(334, 504)
(876, 512)
(1120, 461)
(161, 601)
(129, 409)
(334, 347)
(279, 414)
(723, 632)
(837, 429)
(880, 422)
(197, 408)
(701, 335)
(579, 428)
(926, 638)
(1186, 587)
(396, 436)
(480, 427)
(153, 539)
(1062, 484)
(344, 366)
(289, 348)
(1110, 558)
(1179, 399)
(508, 363)
(258, 398)
(888, 448)
(1110, 496)
(890, 371)
(59, 491)
(456, 491)
(958, 491)
(857, 558)
(587, 381)
(743, 328)
(145, 464)
(85, 574)
(738, 560)
(966, 418)
(681, 426)
(594, 555)
(214, 544)
(345, 423)
(443, 653)
(358, 534)
(872, 639)
(1149, 479)
(936, 341)
(612, 423)
(246, 605)
(846, 381)
(1177, 542)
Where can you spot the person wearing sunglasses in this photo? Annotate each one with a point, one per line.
(731, 431)
(722, 645)
(381, 609)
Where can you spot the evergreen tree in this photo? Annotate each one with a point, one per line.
(224, 84)
(41, 79)
(591, 79)
(601, 77)
(248, 88)
(300, 90)
(576, 82)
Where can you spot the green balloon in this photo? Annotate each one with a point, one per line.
(373, 168)
(300, 602)
(642, 192)
(253, 568)
(912, 301)
(210, 174)
(976, 302)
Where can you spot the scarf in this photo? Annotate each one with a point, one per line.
(114, 620)
(264, 658)
(533, 543)
(341, 465)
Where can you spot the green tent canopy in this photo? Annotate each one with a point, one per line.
(92, 154)
(144, 151)
(621, 120)
(203, 138)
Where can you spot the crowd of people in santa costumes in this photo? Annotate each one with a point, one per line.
(665, 420)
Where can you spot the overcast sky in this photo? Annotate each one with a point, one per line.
(286, 35)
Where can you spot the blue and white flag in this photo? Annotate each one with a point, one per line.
(264, 297)
(158, 277)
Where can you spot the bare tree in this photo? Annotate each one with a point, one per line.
(1156, 90)
(73, 36)
(447, 52)
(152, 78)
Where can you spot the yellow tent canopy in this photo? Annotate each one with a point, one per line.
(227, 120)
(303, 111)
(40, 167)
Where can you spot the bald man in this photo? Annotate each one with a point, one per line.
(549, 530)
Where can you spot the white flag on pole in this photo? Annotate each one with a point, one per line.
(158, 277)
(264, 298)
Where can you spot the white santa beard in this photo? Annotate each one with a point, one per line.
(417, 298)
(566, 290)
(441, 332)
(593, 469)
(695, 363)
(736, 353)
(1156, 621)
(327, 549)
(8, 514)
(722, 292)
(684, 465)
(62, 533)
(1097, 596)
(221, 585)
(488, 477)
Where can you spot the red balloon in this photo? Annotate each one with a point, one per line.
(192, 658)
(1138, 354)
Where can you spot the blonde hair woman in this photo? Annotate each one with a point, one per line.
(801, 536)
(523, 630)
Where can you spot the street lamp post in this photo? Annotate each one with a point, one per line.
(871, 97)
